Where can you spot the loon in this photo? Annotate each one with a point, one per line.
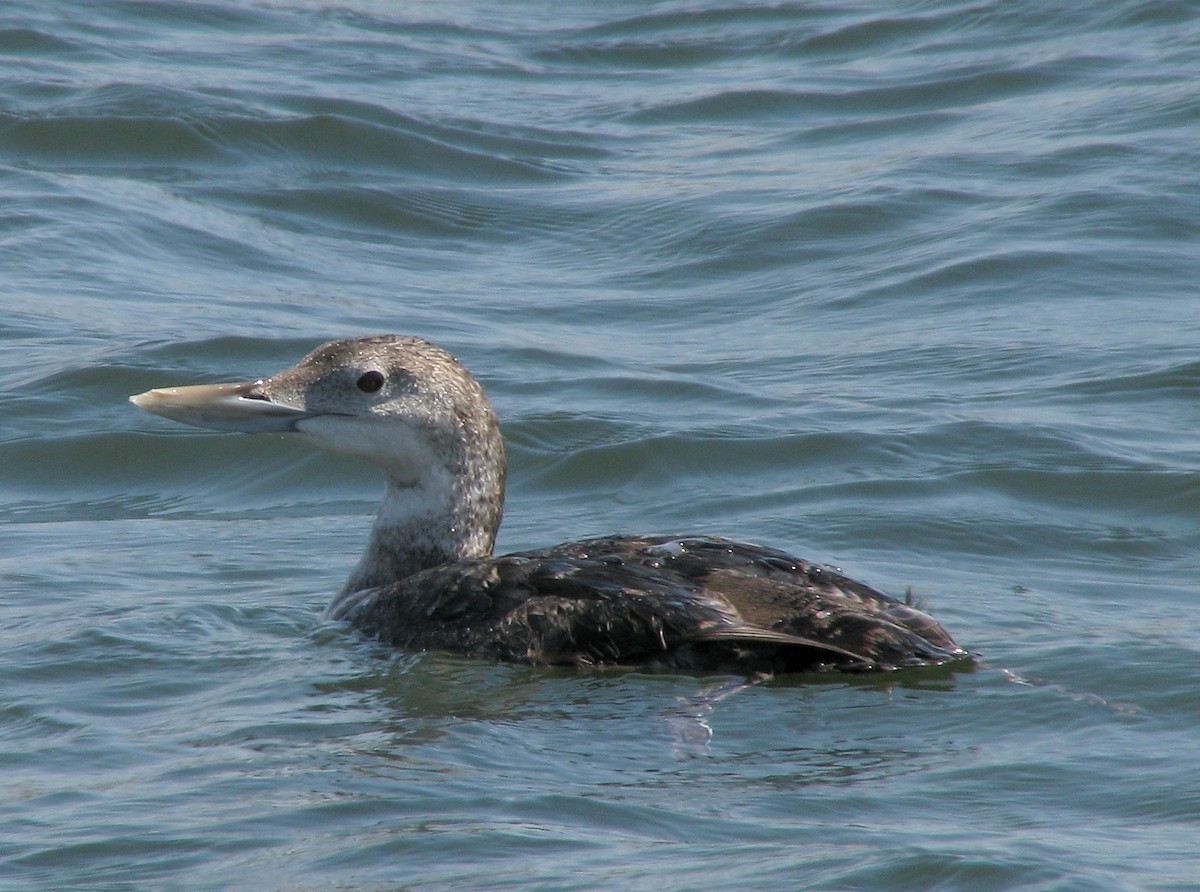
(428, 579)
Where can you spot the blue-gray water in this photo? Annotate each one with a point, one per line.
(909, 287)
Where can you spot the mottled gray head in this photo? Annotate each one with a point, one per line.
(401, 402)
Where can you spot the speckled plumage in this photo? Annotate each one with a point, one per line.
(428, 580)
(657, 601)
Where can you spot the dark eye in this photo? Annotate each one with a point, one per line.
(369, 382)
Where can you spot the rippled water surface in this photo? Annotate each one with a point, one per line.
(908, 287)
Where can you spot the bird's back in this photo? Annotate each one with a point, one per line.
(695, 603)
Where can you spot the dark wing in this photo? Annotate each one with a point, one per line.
(691, 603)
(774, 590)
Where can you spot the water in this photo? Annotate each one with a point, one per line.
(907, 287)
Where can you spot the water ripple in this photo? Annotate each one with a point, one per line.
(907, 288)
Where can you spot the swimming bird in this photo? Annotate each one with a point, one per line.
(428, 578)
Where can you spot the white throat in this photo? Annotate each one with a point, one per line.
(415, 527)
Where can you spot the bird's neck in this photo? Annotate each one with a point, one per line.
(423, 525)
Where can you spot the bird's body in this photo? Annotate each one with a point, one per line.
(656, 601)
(428, 579)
